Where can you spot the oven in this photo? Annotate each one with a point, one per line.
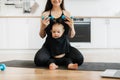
(83, 30)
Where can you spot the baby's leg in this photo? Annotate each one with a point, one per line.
(53, 66)
(73, 66)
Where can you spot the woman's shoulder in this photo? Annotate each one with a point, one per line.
(66, 13)
(46, 13)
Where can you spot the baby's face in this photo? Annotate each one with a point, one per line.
(57, 30)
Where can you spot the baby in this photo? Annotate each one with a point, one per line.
(59, 47)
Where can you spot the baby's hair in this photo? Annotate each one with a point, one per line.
(58, 24)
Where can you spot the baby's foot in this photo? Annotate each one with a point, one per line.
(53, 66)
(73, 66)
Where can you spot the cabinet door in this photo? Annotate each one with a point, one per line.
(34, 40)
(3, 33)
(98, 33)
(17, 33)
(23, 33)
(20, 33)
(114, 33)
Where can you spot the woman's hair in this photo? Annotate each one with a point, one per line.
(49, 5)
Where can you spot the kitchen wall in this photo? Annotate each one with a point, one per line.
(93, 7)
(76, 7)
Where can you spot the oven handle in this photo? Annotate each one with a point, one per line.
(82, 23)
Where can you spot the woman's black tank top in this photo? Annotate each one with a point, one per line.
(59, 45)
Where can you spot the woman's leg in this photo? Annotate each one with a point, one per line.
(75, 56)
(42, 57)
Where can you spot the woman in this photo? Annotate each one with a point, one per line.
(54, 11)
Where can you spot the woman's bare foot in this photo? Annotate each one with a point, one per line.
(53, 66)
(73, 66)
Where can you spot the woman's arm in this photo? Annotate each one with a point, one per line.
(42, 32)
(71, 24)
(44, 23)
(72, 31)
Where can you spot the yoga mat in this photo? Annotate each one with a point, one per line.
(86, 66)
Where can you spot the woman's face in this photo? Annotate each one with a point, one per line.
(56, 2)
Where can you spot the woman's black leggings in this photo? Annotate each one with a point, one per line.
(42, 57)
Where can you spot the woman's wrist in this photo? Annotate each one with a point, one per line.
(42, 32)
(72, 28)
(72, 32)
(42, 29)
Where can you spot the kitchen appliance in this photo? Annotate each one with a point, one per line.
(111, 73)
(83, 31)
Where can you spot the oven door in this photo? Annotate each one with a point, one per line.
(83, 32)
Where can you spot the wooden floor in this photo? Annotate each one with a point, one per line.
(13, 73)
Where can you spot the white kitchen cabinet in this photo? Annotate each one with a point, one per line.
(20, 33)
(17, 33)
(113, 37)
(98, 33)
(106, 32)
(3, 34)
(34, 40)
(24, 33)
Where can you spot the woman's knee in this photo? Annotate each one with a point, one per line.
(41, 57)
(80, 60)
(77, 56)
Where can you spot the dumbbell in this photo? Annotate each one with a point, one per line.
(63, 17)
(2, 67)
(51, 17)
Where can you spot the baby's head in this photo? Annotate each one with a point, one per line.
(57, 30)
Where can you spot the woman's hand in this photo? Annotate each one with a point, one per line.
(69, 21)
(45, 22)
